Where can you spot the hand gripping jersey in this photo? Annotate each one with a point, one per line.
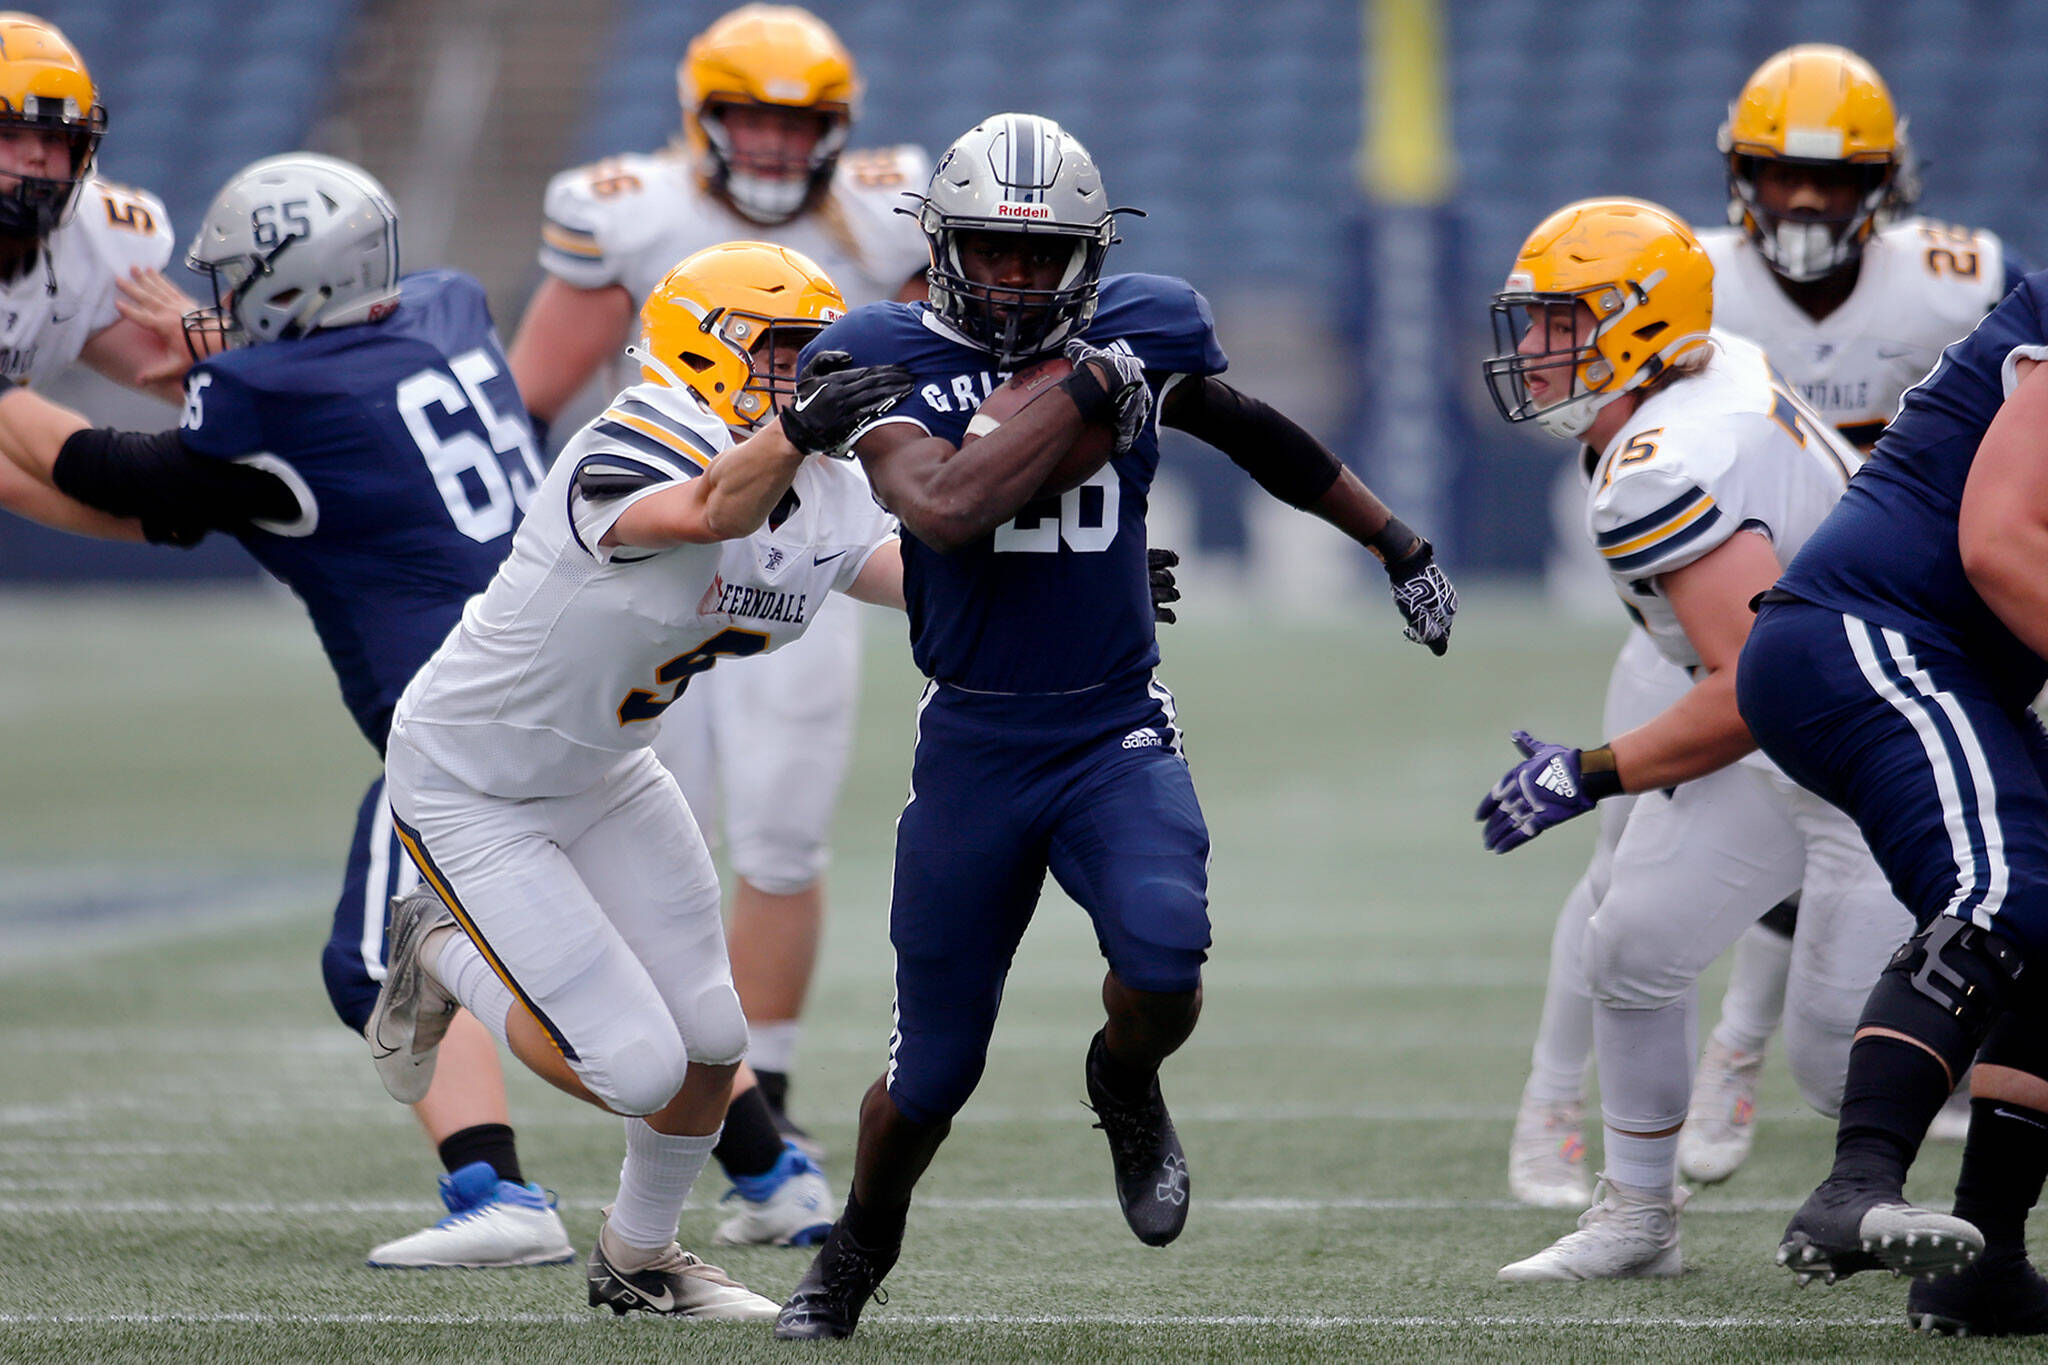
(628, 220)
(1889, 554)
(1921, 285)
(409, 452)
(1056, 600)
(1705, 456)
(50, 310)
(567, 661)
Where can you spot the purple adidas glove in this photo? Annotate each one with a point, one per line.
(1546, 788)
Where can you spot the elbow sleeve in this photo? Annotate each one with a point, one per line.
(177, 494)
(1280, 456)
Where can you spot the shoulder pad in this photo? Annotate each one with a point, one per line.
(884, 170)
(1646, 520)
(126, 226)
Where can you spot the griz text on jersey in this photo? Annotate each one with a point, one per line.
(1056, 599)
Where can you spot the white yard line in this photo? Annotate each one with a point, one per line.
(1243, 1204)
(881, 1321)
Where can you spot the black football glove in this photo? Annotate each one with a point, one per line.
(1125, 400)
(1159, 566)
(834, 397)
(1426, 599)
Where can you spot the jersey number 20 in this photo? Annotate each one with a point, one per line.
(485, 484)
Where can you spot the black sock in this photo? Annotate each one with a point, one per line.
(774, 1088)
(1123, 1081)
(749, 1145)
(1893, 1091)
(875, 1229)
(489, 1142)
(2005, 1162)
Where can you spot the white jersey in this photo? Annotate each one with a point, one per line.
(564, 664)
(630, 219)
(50, 310)
(1707, 455)
(1922, 284)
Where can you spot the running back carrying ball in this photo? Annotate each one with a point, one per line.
(1091, 449)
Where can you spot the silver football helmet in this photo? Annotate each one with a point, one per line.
(293, 244)
(1021, 174)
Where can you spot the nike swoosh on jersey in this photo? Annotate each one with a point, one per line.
(826, 559)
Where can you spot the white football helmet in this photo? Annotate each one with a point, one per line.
(293, 244)
(1017, 173)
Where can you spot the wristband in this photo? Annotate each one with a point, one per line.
(1597, 773)
(1095, 402)
(1396, 542)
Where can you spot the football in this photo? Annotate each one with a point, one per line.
(1091, 449)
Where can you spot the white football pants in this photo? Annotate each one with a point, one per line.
(600, 911)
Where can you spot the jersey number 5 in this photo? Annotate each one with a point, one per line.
(485, 483)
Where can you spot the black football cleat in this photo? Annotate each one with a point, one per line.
(1845, 1227)
(1145, 1153)
(1993, 1298)
(827, 1302)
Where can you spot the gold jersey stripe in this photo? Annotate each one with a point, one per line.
(1671, 527)
(677, 441)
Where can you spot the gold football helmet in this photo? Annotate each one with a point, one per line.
(715, 324)
(766, 56)
(44, 85)
(1636, 290)
(1824, 108)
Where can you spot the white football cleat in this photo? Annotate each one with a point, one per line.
(1720, 1124)
(1628, 1233)
(1547, 1155)
(790, 1206)
(674, 1284)
(412, 1012)
(490, 1223)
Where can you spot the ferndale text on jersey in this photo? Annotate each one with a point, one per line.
(760, 604)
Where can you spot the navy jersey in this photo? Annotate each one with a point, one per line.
(1889, 552)
(1056, 600)
(411, 456)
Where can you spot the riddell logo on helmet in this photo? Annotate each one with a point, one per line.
(1023, 211)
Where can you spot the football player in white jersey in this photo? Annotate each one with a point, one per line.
(1852, 307)
(768, 98)
(570, 903)
(71, 244)
(1703, 477)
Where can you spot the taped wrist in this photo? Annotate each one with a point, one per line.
(1597, 773)
(1096, 403)
(1944, 988)
(1401, 549)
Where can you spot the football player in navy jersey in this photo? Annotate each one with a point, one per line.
(1891, 670)
(375, 457)
(1044, 742)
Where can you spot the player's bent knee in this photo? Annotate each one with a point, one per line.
(716, 1026)
(1946, 987)
(640, 1076)
(782, 861)
(929, 1097)
(1627, 970)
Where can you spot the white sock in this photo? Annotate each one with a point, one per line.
(1646, 1059)
(1642, 1163)
(464, 974)
(1755, 1000)
(1564, 1037)
(653, 1183)
(772, 1046)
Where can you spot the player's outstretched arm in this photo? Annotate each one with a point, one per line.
(949, 496)
(1301, 471)
(880, 580)
(742, 484)
(145, 348)
(2002, 527)
(565, 335)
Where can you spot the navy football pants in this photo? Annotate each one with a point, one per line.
(1947, 779)
(1003, 788)
(378, 869)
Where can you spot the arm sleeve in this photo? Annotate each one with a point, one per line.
(1284, 459)
(177, 494)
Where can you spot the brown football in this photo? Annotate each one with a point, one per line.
(1091, 449)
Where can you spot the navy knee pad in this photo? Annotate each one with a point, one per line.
(1945, 987)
